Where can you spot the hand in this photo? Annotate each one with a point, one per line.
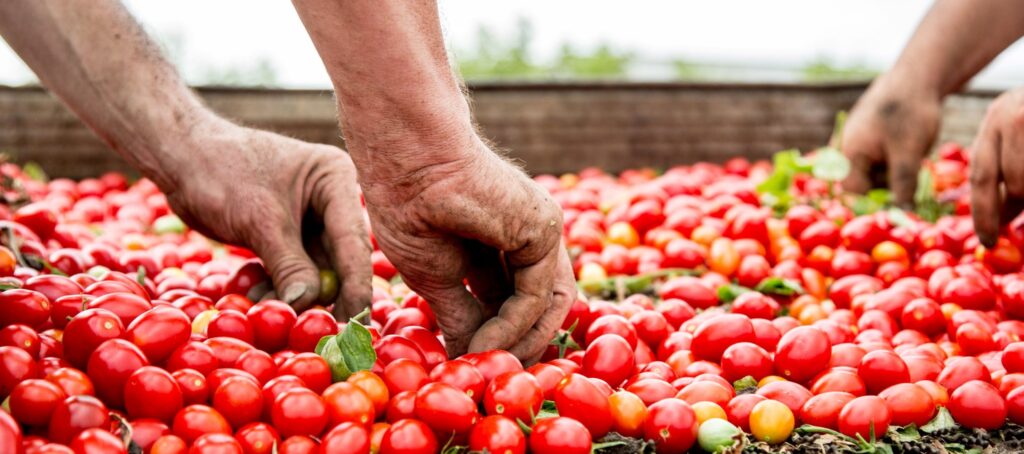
(997, 167)
(893, 124)
(295, 204)
(479, 219)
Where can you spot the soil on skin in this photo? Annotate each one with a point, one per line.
(1007, 440)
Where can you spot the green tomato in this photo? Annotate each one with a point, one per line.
(715, 435)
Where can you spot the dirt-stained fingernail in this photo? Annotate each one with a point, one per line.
(294, 292)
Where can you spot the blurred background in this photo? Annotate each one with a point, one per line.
(262, 43)
(560, 85)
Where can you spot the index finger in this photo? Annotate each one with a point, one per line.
(984, 178)
(534, 284)
(533, 343)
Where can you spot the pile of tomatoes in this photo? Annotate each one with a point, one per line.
(706, 321)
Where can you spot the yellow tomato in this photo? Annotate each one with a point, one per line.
(708, 410)
(705, 235)
(623, 233)
(889, 251)
(769, 379)
(771, 421)
(202, 319)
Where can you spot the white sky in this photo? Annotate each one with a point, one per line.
(211, 35)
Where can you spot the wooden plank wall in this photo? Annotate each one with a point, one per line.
(550, 127)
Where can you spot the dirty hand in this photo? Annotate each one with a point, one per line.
(476, 218)
(295, 204)
(997, 167)
(893, 126)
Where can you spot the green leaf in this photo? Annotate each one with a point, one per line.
(880, 196)
(608, 444)
(942, 421)
(169, 223)
(906, 433)
(899, 217)
(727, 293)
(547, 410)
(779, 286)
(356, 345)
(35, 171)
(830, 165)
(745, 385)
(331, 353)
(140, 276)
(323, 341)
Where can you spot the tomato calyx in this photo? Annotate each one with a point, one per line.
(564, 341)
(350, 351)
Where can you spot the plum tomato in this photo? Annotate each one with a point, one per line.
(978, 405)
(865, 416)
(802, 353)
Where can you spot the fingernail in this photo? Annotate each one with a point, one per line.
(294, 292)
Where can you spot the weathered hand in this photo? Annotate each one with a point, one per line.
(295, 204)
(997, 167)
(893, 125)
(480, 220)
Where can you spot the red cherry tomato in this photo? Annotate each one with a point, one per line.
(559, 435)
(72, 381)
(516, 395)
(463, 376)
(75, 414)
(33, 401)
(802, 353)
(272, 322)
(579, 398)
(193, 421)
(822, 410)
(97, 441)
(347, 402)
(258, 438)
(864, 416)
(151, 392)
(309, 328)
(311, 368)
(717, 333)
(978, 405)
(409, 436)
(24, 307)
(111, 365)
(446, 409)
(88, 330)
(16, 365)
(216, 443)
(498, 434)
(404, 375)
(346, 437)
(239, 400)
(672, 424)
(299, 411)
(610, 358)
(909, 403)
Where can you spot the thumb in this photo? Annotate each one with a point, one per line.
(296, 278)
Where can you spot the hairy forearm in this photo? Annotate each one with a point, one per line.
(400, 104)
(96, 58)
(956, 39)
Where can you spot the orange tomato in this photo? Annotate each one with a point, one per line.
(374, 387)
(723, 258)
(811, 314)
(377, 436)
(948, 309)
(705, 235)
(771, 421)
(747, 246)
(708, 410)
(769, 379)
(628, 413)
(889, 251)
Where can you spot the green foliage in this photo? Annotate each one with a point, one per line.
(822, 69)
(495, 57)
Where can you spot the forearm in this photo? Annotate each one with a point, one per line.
(400, 104)
(97, 59)
(956, 39)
